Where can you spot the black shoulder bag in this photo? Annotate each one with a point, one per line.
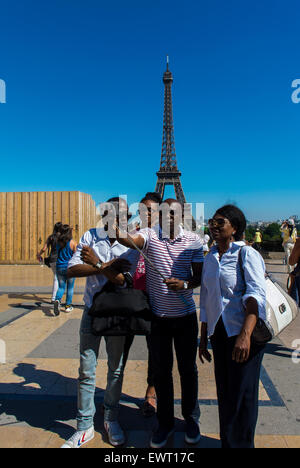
(52, 256)
(121, 312)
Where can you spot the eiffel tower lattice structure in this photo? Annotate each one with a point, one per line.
(168, 173)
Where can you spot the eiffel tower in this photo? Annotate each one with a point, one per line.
(168, 173)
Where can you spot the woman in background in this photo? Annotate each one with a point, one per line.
(295, 260)
(289, 233)
(50, 247)
(66, 247)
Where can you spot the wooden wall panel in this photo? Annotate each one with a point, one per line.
(2, 225)
(25, 227)
(80, 212)
(41, 220)
(57, 207)
(17, 232)
(33, 229)
(74, 215)
(65, 207)
(9, 226)
(27, 219)
(49, 214)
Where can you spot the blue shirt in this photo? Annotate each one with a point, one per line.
(64, 254)
(98, 240)
(224, 292)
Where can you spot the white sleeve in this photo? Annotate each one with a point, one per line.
(146, 234)
(254, 271)
(86, 241)
(203, 296)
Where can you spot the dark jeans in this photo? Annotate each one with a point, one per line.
(128, 343)
(298, 289)
(237, 388)
(183, 333)
(295, 293)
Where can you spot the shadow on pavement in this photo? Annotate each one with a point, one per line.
(278, 350)
(47, 400)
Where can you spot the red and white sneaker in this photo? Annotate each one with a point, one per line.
(79, 438)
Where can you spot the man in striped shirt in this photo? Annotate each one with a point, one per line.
(178, 255)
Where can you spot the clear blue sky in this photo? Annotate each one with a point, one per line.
(85, 99)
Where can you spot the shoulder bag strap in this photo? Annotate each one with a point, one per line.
(240, 263)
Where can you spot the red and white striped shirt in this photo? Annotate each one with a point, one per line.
(173, 258)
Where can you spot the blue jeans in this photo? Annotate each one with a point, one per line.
(64, 282)
(89, 351)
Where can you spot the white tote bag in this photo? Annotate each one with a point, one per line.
(281, 307)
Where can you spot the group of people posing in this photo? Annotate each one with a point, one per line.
(232, 298)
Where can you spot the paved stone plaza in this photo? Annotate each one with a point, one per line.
(38, 381)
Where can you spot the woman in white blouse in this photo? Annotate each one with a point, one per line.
(231, 302)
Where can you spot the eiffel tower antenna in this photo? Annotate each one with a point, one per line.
(168, 173)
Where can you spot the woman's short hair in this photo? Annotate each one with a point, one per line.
(237, 219)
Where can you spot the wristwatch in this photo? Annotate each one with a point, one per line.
(185, 285)
(99, 265)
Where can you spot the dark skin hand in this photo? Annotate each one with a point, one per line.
(89, 257)
(175, 284)
(242, 345)
(204, 354)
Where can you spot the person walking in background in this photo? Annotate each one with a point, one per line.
(289, 233)
(231, 301)
(295, 260)
(206, 240)
(66, 247)
(257, 241)
(50, 248)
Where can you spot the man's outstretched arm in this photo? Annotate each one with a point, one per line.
(129, 240)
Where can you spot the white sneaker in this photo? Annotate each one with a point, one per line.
(79, 438)
(115, 433)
